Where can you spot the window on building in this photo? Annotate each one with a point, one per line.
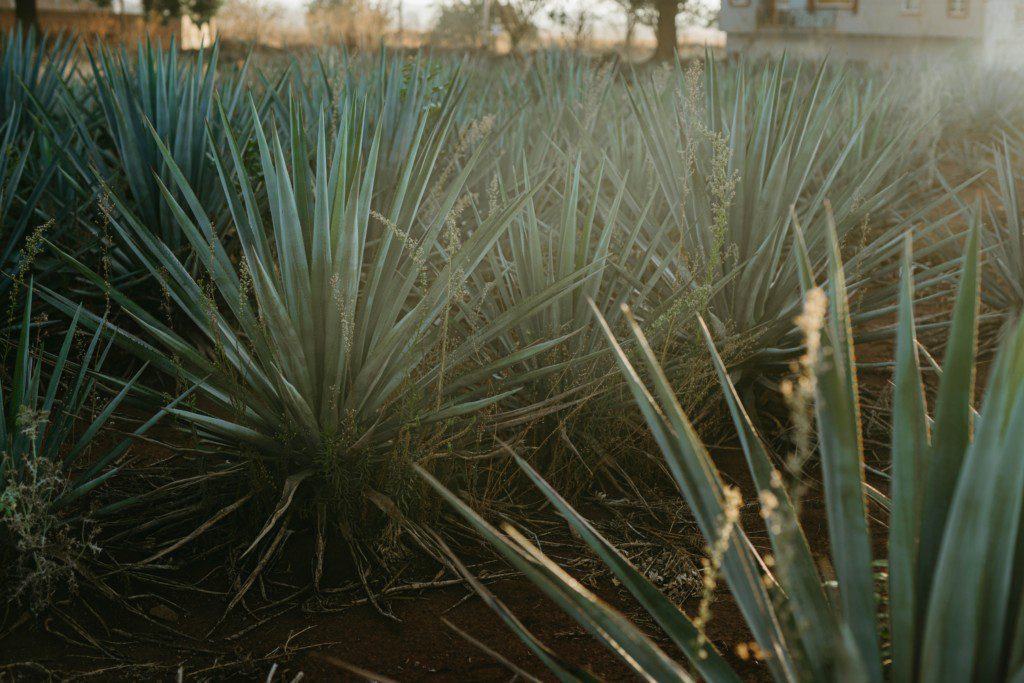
(957, 8)
(910, 6)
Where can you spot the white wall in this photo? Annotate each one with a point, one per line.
(738, 19)
(886, 50)
(1004, 32)
(878, 17)
(932, 20)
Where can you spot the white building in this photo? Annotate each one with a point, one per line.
(876, 30)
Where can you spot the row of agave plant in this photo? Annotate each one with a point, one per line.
(954, 608)
(339, 275)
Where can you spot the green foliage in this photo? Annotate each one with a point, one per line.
(460, 23)
(942, 628)
(17, 211)
(335, 351)
(738, 157)
(1004, 239)
(53, 458)
(366, 263)
(158, 96)
(32, 73)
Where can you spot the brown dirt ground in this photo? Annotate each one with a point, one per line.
(417, 646)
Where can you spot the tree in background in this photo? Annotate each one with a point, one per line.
(26, 14)
(200, 11)
(666, 32)
(663, 16)
(632, 10)
(249, 20)
(578, 24)
(460, 23)
(517, 16)
(356, 23)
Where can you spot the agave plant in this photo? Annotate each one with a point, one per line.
(973, 101)
(1002, 235)
(158, 99)
(33, 70)
(18, 201)
(55, 455)
(1004, 239)
(738, 156)
(575, 230)
(32, 81)
(394, 89)
(955, 504)
(334, 353)
(558, 238)
(568, 230)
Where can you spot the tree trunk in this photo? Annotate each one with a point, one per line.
(668, 38)
(26, 14)
(630, 30)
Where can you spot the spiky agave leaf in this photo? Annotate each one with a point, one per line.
(53, 424)
(938, 632)
(33, 70)
(34, 75)
(338, 340)
(139, 102)
(21, 192)
(392, 89)
(741, 153)
(558, 237)
(1003, 237)
(603, 622)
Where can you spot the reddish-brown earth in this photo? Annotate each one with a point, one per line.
(417, 646)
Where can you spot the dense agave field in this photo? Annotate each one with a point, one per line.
(352, 313)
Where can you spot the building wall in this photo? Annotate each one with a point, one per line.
(990, 28)
(737, 18)
(931, 19)
(870, 17)
(1004, 31)
(863, 48)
